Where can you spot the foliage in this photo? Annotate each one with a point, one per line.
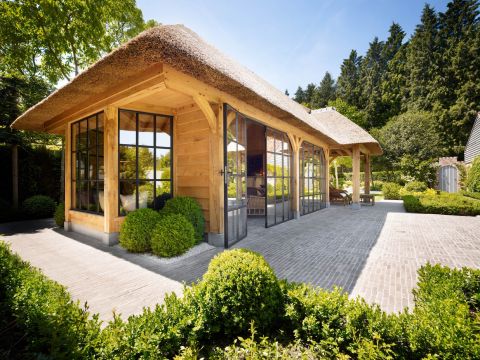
(59, 215)
(238, 288)
(349, 111)
(391, 191)
(56, 39)
(38, 319)
(172, 236)
(472, 195)
(473, 176)
(191, 209)
(416, 186)
(445, 322)
(240, 296)
(324, 93)
(39, 206)
(444, 203)
(136, 230)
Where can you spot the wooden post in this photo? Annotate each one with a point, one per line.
(356, 176)
(327, 177)
(110, 152)
(15, 176)
(367, 173)
(295, 142)
(68, 174)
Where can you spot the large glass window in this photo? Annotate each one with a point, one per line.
(87, 166)
(145, 160)
(312, 178)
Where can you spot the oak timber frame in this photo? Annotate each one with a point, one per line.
(198, 144)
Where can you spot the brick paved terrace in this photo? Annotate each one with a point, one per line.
(373, 252)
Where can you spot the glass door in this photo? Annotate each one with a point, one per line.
(235, 175)
(278, 178)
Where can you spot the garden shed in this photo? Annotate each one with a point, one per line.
(167, 114)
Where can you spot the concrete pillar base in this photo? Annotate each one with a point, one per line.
(296, 214)
(355, 206)
(327, 204)
(215, 239)
(67, 225)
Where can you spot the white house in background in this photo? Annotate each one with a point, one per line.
(472, 149)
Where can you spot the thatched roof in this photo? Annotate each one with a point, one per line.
(186, 52)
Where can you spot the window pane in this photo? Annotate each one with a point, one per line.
(82, 135)
(145, 129)
(145, 194)
(163, 193)
(127, 128)
(127, 193)
(145, 163)
(101, 197)
(163, 164)
(127, 157)
(163, 131)
(82, 195)
(92, 166)
(92, 131)
(81, 165)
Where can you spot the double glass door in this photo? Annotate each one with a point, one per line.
(235, 175)
(278, 178)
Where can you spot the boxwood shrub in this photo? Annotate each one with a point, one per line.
(136, 230)
(473, 195)
(391, 191)
(172, 236)
(416, 186)
(445, 203)
(238, 288)
(38, 319)
(59, 215)
(191, 209)
(39, 206)
(473, 176)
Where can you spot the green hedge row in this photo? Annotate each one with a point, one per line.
(240, 310)
(473, 195)
(444, 203)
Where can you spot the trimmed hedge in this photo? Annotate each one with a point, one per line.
(38, 318)
(416, 186)
(445, 203)
(473, 195)
(59, 215)
(240, 295)
(39, 206)
(172, 236)
(191, 209)
(136, 230)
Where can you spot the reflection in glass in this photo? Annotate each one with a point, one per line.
(146, 162)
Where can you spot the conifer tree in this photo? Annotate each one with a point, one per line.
(324, 93)
(348, 81)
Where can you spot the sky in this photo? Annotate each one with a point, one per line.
(289, 43)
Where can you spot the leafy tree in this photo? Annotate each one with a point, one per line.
(58, 38)
(350, 111)
(348, 81)
(324, 93)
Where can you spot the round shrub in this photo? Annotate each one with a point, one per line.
(391, 191)
(192, 211)
(239, 287)
(416, 186)
(172, 236)
(136, 230)
(39, 206)
(59, 215)
(473, 176)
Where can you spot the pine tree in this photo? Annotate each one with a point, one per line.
(421, 65)
(370, 76)
(286, 92)
(348, 81)
(309, 92)
(324, 93)
(299, 95)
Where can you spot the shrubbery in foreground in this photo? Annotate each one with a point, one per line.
(274, 319)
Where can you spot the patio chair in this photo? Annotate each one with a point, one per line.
(339, 196)
(256, 205)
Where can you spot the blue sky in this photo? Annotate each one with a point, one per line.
(289, 43)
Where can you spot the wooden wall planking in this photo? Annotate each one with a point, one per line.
(192, 156)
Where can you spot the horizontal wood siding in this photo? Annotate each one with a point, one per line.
(472, 150)
(192, 157)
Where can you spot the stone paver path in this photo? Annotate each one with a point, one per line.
(107, 282)
(373, 252)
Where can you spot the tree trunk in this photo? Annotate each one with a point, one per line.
(15, 176)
